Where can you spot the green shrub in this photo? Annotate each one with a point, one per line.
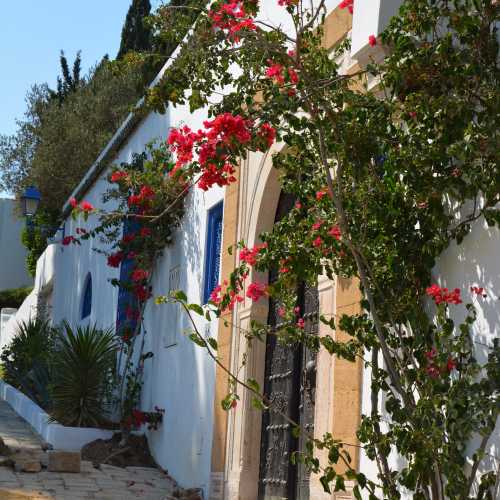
(14, 297)
(25, 361)
(83, 368)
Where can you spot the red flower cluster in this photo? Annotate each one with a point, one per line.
(256, 290)
(234, 297)
(139, 275)
(268, 134)
(317, 242)
(118, 175)
(347, 4)
(287, 3)
(85, 206)
(223, 136)
(249, 255)
(440, 295)
(232, 18)
(152, 418)
(321, 194)
(181, 142)
(433, 369)
(277, 73)
(143, 199)
(115, 259)
(68, 240)
(335, 232)
(142, 292)
(478, 290)
(372, 40)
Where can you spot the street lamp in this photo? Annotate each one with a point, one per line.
(30, 201)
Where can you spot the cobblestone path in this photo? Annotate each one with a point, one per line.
(106, 483)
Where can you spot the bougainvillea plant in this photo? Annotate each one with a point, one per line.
(146, 197)
(389, 166)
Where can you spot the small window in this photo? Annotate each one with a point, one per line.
(87, 297)
(212, 250)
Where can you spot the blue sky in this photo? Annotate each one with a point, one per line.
(32, 33)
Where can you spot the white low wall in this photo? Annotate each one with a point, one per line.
(59, 436)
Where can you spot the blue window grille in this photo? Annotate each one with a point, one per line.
(87, 297)
(213, 250)
(126, 299)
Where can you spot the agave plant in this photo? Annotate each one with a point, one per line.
(83, 366)
(25, 361)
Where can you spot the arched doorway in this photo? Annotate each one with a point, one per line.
(290, 384)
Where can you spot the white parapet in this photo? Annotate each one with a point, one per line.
(59, 436)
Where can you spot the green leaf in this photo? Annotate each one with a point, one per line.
(212, 342)
(253, 384)
(179, 295)
(196, 308)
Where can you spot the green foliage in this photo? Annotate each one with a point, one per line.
(25, 361)
(14, 297)
(35, 234)
(83, 375)
(404, 170)
(70, 81)
(136, 36)
(60, 137)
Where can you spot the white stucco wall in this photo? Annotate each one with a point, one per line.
(13, 272)
(28, 309)
(180, 377)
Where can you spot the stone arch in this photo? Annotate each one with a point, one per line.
(338, 400)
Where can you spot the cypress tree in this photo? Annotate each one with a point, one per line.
(135, 35)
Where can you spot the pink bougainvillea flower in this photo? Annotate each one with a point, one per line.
(335, 232)
(118, 175)
(301, 323)
(451, 364)
(430, 355)
(281, 312)
(68, 240)
(317, 225)
(275, 72)
(347, 4)
(86, 206)
(256, 291)
(432, 371)
(296, 310)
(321, 194)
(115, 259)
(145, 232)
(249, 255)
(317, 242)
(440, 295)
(372, 40)
(73, 202)
(478, 290)
(139, 275)
(298, 205)
(268, 133)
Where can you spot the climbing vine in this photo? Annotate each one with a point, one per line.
(389, 165)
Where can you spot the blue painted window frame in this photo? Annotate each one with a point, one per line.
(87, 297)
(213, 247)
(125, 297)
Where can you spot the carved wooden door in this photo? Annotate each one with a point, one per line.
(290, 384)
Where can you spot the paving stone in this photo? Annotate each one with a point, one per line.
(64, 461)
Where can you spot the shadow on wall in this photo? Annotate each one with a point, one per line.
(476, 262)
